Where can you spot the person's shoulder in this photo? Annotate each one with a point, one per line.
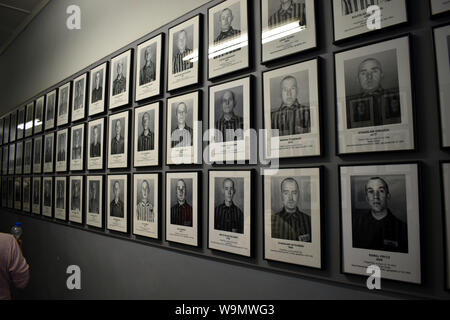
(6, 238)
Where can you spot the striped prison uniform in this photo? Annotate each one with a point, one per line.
(292, 120)
(291, 226)
(229, 219)
(179, 65)
(296, 11)
(145, 212)
(181, 215)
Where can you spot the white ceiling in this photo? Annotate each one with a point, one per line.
(15, 15)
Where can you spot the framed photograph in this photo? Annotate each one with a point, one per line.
(13, 126)
(184, 54)
(4, 192)
(18, 193)
(76, 199)
(118, 140)
(39, 115)
(117, 206)
(37, 155)
(11, 192)
(182, 219)
(50, 110)
(12, 158)
(6, 123)
(19, 157)
(26, 204)
(94, 201)
(146, 205)
(445, 170)
(47, 197)
(230, 211)
(442, 49)
(29, 120)
(62, 141)
(63, 104)
(353, 18)
(380, 220)
(228, 49)
(79, 98)
(96, 135)
(120, 80)
(28, 156)
(2, 120)
(61, 198)
(5, 163)
(439, 7)
(374, 98)
(36, 199)
(287, 27)
(148, 68)
(49, 147)
(291, 111)
(229, 121)
(21, 123)
(77, 148)
(97, 92)
(292, 216)
(183, 128)
(146, 135)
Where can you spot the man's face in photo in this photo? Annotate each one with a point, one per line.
(290, 195)
(370, 75)
(97, 79)
(181, 113)
(228, 190)
(377, 195)
(289, 91)
(226, 17)
(228, 102)
(118, 127)
(181, 191)
(182, 38)
(145, 121)
(95, 134)
(119, 69)
(145, 190)
(116, 190)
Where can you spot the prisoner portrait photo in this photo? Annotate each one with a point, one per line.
(47, 193)
(147, 73)
(116, 206)
(75, 203)
(77, 144)
(145, 189)
(146, 130)
(182, 123)
(63, 101)
(372, 90)
(282, 12)
(227, 23)
(120, 77)
(97, 86)
(229, 204)
(50, 106)
(379, 213)
(291, 208)
(60, 194)
(94, 196)
(183, 46)
(290, 104)
(181, 202)
(78, 99)
(228, 114)
(96, 141)
(118, 136)
(61, 148)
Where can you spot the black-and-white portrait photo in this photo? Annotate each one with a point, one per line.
(50, 110)
(77, 148)
(6, 129)
(229, 113)
(145, 203)
(79, 97)
(63, 104)
(445, 178)
(4, 192)
(11, 192)
(29, 119)
(380, 218)
(19, 157)
(48, 152)
(117, 203)
(5, 160)
(61, 150)
(182, 131)
(439, 7)
(283, 12)
(95, 143)
(26, 195)
(18, 193)
(94, 201)
(47, 196)
(37, 155)
(20, 124)
(148, 78)
(442, 50)
(27, 156)
(228, 37)
(39, 115)
(60, 198)
(97, 90)
(76, 199)
(118, 140)
(351, 18)
(12, 159)
(182, 199)
(373, 85)
(1, 130)
(36, 196)
(229, 205)
(146, 135)
(13, 126)
(119, 83)
(291, 110)
(184, 53)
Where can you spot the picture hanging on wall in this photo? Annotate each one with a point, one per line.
(445, 171)
(97, 92)
(19, 157)
(146, 205)
(50, 110)
(76, 199)
(148, 64)
(94, 201)
(28, 156)
(77, 148)
(79, 98)
(96, 133)
(47, 197)
(63, 104)
(61, 198)
(62, 141)
(18, 193)
(37, 155)
(26, 194)
(118, 140)
(439, 7)
(49, 148)
(39, 115)
(21, 123)
(29, 120)
(117, 203)
(36, 198)
(146, 135)
(119, 88)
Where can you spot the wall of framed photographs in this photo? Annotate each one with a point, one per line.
(342, 151)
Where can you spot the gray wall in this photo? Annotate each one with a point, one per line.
(115, 267)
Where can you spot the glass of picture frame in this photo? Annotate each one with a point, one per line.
(60, 198)
(146, 135)
(97, 92)
(6, 123)
(29, 120)
(62, 151)
(149, 68)
(79, 97)
(37, 154)
(146, 209)
(20, 123)
(94, 201)
(50, 110)
(77, 148)
(49, 142)
(39, 115)
(439, 7)
(374, 98)
(26, 194)
(76, 199)
(228, 38)
(96, 137)
(380, 220)
(63, 104)
(118, 140)
(120, 73)
(117, 203)
(18, 193)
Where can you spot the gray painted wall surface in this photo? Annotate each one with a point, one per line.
(116, 268)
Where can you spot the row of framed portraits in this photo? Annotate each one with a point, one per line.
(374, 114)
(380, 211)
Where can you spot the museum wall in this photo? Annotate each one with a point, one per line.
(112, 266)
